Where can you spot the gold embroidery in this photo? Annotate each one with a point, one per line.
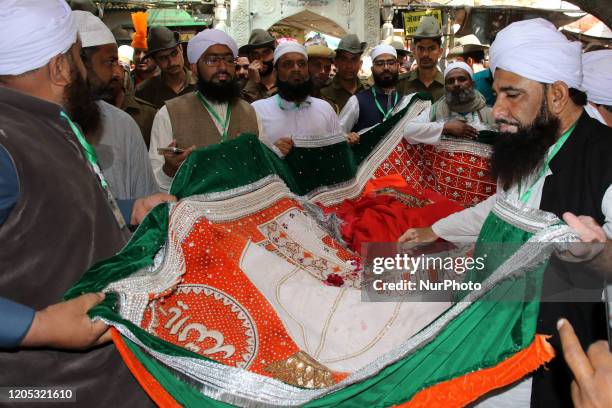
(302, 370)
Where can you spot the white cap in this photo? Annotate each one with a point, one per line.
(92, 30)
(200, 43)
(126, 53)
(461, 65)
(288, 47)
(383, 49)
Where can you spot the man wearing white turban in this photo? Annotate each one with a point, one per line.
(292, 116)
(597, 83)
(550, 155)
(370, 107)
(214, 113)
(462, 112)
(122, 154)
(57, 215)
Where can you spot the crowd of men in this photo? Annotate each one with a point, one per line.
(88, 146)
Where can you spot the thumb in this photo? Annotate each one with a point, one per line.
(105, 335)
(172, 143)
(577, 225)
(90, 300)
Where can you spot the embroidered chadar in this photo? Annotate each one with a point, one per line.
(244, 292)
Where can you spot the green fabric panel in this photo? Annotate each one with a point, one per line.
(137, 254)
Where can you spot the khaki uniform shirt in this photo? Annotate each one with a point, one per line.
(410, 83)
(254, 91)
(156, 92)
(143, 114)
(337, 96)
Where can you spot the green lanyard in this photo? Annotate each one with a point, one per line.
(92, 158)
(525, 197)
(223, 124)
(388, 113)
(295, 105)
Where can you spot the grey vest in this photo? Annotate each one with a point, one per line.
(60, 226)
(193, 125)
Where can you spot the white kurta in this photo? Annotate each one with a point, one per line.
(428, 134)
(281, 118)
(161, 136)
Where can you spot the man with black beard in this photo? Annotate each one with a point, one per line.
(292, 115)
(57, 216)
(121, 151)
(373, 106)
(550, 156)
(262, 76)
(462, 112)
(212, 114)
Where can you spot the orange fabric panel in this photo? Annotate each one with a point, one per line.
(157, 393)
(462, 390)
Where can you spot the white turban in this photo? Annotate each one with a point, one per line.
(287, 47)
(200, 43)
(92, 31)
(383, 49)
(597, 81)
(534, 49)
(32, 32)
(461, 65)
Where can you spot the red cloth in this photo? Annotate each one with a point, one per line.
(383, 217)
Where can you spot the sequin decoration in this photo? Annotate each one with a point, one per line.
(303, 371)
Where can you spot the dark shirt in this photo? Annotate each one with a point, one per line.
(410, 83)
(143, 114)
(157, 92)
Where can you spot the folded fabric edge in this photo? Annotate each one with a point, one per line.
(148, 383)
(460, 391)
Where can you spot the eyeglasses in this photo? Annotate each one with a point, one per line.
(382, 63)
(216, 59)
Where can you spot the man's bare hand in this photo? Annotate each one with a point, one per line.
(284, 144)
(592, 238)
(172, 161)
(418, 235)
(66, 325)
(592, 386)
(255, 68)
(143, 205)
(352, 138)
(459, 128)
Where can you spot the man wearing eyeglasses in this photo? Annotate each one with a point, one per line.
(345, 83)
(262, 76)
(370, 107)
(214, 113)
(175, 79)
